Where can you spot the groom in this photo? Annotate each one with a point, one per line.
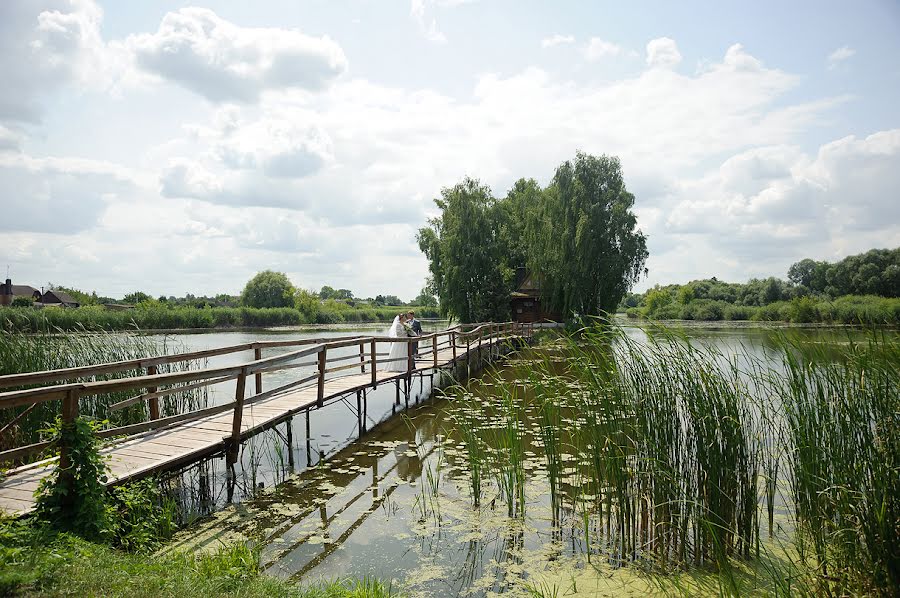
(416, 328)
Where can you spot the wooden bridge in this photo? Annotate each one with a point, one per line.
(340, 367)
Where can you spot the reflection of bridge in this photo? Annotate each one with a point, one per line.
(165, 443)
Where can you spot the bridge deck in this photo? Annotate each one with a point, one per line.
(183, 443)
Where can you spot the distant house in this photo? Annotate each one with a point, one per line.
(526, 302)
(9, 291)
(54, 298)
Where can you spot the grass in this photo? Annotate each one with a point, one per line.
(680, 453)
(36, 562)
(159, 317)
(858, 310)
(21, 352)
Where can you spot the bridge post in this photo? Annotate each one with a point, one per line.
(434, 348)
(235, 440)
(257, 355)
(410, 359)
(374, 362)
(453, 344)
(320, 397)
(362, 357)
(154, 402)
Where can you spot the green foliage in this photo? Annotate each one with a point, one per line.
(74, 498)
(22, 302)
(137, 297)
(268, 289)
(583, 238)
(656, 299)
(875, 272)
(425, 299)
(466, 257)
(141, 517)
(578, 237)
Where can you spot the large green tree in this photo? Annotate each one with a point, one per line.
(467, 259)
(268, 289)
(584, 244)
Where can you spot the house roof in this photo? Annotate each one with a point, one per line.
(23, 290)
(62, 297)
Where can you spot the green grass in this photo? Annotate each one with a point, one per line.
(37, 562)
(160, 317)
(22, 352)
(680, 452)
(859, 310)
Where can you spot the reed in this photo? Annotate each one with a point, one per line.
(20, 352)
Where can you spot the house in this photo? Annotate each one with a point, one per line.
(9, 291)
(53, 298)
(526, 302)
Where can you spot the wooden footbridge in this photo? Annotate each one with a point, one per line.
(326, 370)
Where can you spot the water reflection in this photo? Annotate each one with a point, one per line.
(397, 504)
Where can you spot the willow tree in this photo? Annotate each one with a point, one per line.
(582, 238)
(466, 254)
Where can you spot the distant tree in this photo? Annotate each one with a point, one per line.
(809, 273)
(326, 293)
(136, 297)
(425, 299)
(344, 294)
(392, 300)
(657, 298)
(686, 294)
(268, 289)
(22, 302)
(81, 297)
(308, 304)
(379, 300)
(584, 242)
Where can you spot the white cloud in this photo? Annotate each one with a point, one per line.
(428, 28)
(663, 52)
(556, 40)
(44, 46)
(221, 61)
(598, 49)
(767, 207)
(58, 195)
(839, 56)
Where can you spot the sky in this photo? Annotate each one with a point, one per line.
(176, 148)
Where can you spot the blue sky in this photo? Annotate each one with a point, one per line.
(174, 148)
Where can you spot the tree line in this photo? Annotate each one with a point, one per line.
(861, 288)
(577, 236)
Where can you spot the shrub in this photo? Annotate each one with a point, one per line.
(803, 309)
(740, 312)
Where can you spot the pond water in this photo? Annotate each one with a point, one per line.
(396, 503)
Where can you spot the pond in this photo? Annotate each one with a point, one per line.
(396, 503)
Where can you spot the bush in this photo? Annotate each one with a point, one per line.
(803, 309)
(740, 312)
(633, 312)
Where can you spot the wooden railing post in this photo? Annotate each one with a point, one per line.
(239, 392)
(154, 402)
(320, 397)
(374, 362)
(453, 343)
(362, 357)
(434, 347)
(257, 355)
(410, 357)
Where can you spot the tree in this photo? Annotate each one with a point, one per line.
(467, 259)
(425, 299)
(308, 304)
(136, 297)
(268, 289)
(584, 245)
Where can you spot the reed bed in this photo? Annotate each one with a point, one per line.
(671, 455)
(20, 353)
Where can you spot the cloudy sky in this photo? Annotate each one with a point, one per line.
(178, 148)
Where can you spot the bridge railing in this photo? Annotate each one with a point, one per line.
(325, 356)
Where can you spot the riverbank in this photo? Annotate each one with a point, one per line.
(27, 319)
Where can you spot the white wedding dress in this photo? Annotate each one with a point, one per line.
(399, 351)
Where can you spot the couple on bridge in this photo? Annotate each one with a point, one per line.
(403, 326)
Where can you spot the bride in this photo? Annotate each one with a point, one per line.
(399, 351)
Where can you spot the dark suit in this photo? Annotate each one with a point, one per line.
(417, 329)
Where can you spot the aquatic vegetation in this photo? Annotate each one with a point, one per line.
(20, 352)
